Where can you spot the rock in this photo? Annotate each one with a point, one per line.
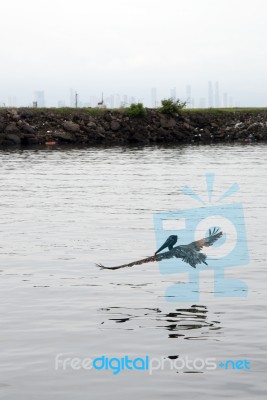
(71, 126)
(239, 125)
(13, 114)
(65, 136)
(140, 138)
(115, 126)
(28, 129)
(214, 125)
(13, 138)
(12, 129)
(91, 124)
(186, 125)
(107, 117)
(100, 132)
(26, 114)
(167, 123)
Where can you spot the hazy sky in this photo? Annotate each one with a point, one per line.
(128, 47)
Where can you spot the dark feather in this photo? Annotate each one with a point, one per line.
(189, 253)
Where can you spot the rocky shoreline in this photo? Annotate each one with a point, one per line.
(26, 127)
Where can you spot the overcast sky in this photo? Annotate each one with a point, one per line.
(130, 46)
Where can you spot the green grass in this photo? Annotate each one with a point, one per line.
(224, 110)
(100, 111)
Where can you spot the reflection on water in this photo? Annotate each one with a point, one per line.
(63, 210)
(179, 323)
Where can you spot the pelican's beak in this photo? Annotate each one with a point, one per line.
(162, 247)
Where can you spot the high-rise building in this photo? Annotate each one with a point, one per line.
(117, 100)
(202, 102)
(39, 97)
(173, 93)
(12, 101)
(72, 98)
(153, 97)
(125, 100)
(210, 95)
(112, 101)
(225, 100)
(217, 95)
(188, 95)
(61, 103)
(132, 100)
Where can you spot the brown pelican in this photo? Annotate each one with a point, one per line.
(189, 253)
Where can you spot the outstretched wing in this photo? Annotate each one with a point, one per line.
(214, 235)
(156, 257)
(188, 253)
(191, 252)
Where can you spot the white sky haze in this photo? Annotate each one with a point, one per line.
(128, 47)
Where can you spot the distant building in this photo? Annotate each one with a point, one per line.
(117, 100)
(39, 97)
(202, 102)
(217, 95)
(132, 100)
(61, 103)
(210, 95)
(225, 100)
(72, 98)
(12, 101)
(112, 101)
(173, 93)
(153, 98)
(101, 104)
(125, 100)
(188, 95)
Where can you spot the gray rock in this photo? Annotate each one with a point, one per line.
(91, 125)
(12, 128)
(167, 123)
(239, 125)
(28, 129)
(65, 136)
(115, 126)
(13, 138)
(71, 126)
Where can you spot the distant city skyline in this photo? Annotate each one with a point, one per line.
(124, 49)
(214, 99)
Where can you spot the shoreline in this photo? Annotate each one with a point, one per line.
(27, 127)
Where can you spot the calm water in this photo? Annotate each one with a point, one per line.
(62, 210)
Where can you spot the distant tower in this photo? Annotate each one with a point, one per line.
(112, 101)
(210, 95)
(39, 97)
(101, 103)
(188, 95)
(125, 100)
(202, 102)
(61, 103)
(153, 97)
(117, 100)
(217, 95)
(173, 93)
(72, 98)
(225, 100)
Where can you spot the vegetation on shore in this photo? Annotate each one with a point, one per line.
(137, 110)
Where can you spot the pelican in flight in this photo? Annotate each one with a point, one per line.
(189, 253)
